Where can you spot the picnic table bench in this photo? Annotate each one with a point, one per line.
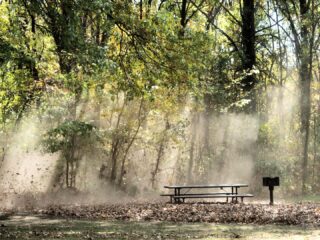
(228, 191)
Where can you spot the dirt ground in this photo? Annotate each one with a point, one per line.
(249, 213)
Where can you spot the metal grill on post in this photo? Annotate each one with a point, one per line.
(271, 183)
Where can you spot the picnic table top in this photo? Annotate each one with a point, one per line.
(207, 186)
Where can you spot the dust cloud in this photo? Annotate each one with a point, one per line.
(215, 148)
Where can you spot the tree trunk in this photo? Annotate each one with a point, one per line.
(156, 169)
(160, 153)
(97, 107)
(116, 145)
(149, 8)
(249, 52)
(305, 75)
(133, 138)
(315, 152)
(192, 147)
(114, 159)
(305, 122)
(223, 155)
(183, 14)
(141, 9)
(303, 43)
(67, 173)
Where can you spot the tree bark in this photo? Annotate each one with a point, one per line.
(192, 147)
(160, 153)
(115, 146)
(133, 138)
(141, 9)
(304, 44)
(183, 13)
(249, 52)
(305, 75)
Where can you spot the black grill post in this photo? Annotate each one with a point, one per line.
(271, 183)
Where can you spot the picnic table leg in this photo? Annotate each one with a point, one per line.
(179, 199)
(236, 194)
(232, 192)
(177, 193)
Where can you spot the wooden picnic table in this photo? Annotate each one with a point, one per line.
(179, 196)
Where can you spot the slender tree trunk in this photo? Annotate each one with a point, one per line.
(3, 156)
(305, 74)
(192, 146)
(315, 177)
(141, 9)
(208, 148)
(305, 124)
(156, 169)
(67, 171)
(304, 46)
(223, 155)
(315, 150)
(97, 107)
(160, 153)
(114, 159)
(280, 63)
(115, 146)
(133, 138)
(149, 8)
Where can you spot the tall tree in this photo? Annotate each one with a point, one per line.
(303, 32)
(249, 52)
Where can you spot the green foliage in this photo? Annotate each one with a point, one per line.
(66, 135)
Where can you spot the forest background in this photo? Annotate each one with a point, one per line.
(130, 95)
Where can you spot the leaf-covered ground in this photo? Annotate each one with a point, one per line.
(36, 227)
(288, 214)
